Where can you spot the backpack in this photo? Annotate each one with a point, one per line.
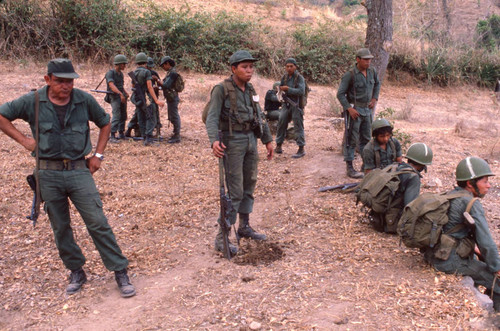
(378, 188)
(422, 221)
(307, 89)
(179, 84)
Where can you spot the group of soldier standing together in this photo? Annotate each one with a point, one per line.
(59, 116)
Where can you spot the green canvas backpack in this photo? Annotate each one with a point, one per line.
(422, 221)
(179, 83)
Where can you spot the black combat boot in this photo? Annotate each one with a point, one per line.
(219, 244)
(76, 279)
(113, 138)
(300, 153)
(126, 289)
(278, 149)
(149, 140)
(245, 231)
(121, 135)
(128, 133)
(351, 172)
(176, 138)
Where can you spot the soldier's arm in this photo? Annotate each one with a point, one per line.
(376, 86)
(10, 130)
(153, 94)
(368, 159)
(412, 189)
(484, 240)
(300, 89)
(102, 140)
(343, 89)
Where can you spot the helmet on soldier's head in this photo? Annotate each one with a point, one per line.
(380, 123)
(472, 168)
(151, 62)
(119, 59)
(420, 153)
(164, 60)
(141, 58)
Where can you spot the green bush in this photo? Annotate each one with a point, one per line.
(437, 68)
(404, 138)
(489, 32)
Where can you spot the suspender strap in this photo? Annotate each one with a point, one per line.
(37, 153)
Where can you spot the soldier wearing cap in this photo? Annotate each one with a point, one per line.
(118, 100)
(469, 248)
(172, 97)
(237, 122)
(358, 93)
(294, 86)
(64, 142)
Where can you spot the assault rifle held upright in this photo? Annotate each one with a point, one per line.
(139, 96)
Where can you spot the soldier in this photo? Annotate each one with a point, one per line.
(118, 100)
(293, 84)
(156, 82)
(145, 116)
(358, 93)
(64, 141)
(383, 149)
(172, 97)
(241, 145)
(465, 239)
(272, 106)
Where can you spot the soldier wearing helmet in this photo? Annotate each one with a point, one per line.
(469, 238)
(118, 100)
(383, 149)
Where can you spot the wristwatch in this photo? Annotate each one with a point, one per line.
(99, 156)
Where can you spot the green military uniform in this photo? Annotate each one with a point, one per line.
(272, 106)
(483, 273)
(68, 138)
(146, 119)
(241, 147)
(387, 156)
(172, 98)
(297, 86)
(409, 185)
(366, 88)
(118, 109)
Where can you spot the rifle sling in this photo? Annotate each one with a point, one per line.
(37, 154)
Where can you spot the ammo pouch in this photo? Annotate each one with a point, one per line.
(107, 98)
(443, 250)
(257, 130)
(136, 100)
(391, 219)
(465, 247)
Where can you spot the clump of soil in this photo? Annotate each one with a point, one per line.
(258, 253)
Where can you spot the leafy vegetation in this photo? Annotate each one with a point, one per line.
(405, 139)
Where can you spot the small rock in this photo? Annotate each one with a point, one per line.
(255, 325)
(483, 300)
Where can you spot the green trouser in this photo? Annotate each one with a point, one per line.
(242, 159)
(472, 267)
(297, 116)
(361, 132)
(119, 112)
(79, 186)
(147, 120)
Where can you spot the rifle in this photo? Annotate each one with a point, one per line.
(347, 128)
(102, 91)
(226, 206)
(343, 187)
(139, 93)
(34, 180)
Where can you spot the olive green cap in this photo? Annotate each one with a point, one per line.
(151, 62)
(420, 153)
(292, 61)
(119, 59)
(472, 168)
(380, 123)
(141, 58)
(164, 60)
(364, 53)
(62, 68)
(241, 56)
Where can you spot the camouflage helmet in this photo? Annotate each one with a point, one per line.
(141, 58)
(151, 62)
(164, 60)
(472, 168)
(240, 56)
(420, 153)
(119, 59)
(380, 123)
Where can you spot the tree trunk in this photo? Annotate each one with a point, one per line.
(379, 33)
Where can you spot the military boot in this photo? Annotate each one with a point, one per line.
(176, 138)
(219, 244)
(149, 140)
(126, 288)
(300, 153)
(128, 133)
(351, 172)
(278, 149)
(76, 279)
(245, 231)
(121, 135)
(113, 138)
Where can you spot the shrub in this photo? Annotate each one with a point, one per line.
(404, 138)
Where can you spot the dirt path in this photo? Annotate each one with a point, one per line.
(322, 268)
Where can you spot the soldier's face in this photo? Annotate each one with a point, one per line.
(483, 186)
(290, 68)
(60, 88)
(383, 138)
(363, 64)
(121, 66)
(244, 71)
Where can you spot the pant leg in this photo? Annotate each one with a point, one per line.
(250, 162)
(123, 117)
(282, 124)
(84, 195)
(116, 112)
(352, 138)
(173, 115)
(54, 193)
(151, 119)
(298, 126)
(141, 120)
(365, 131)
(133, 121)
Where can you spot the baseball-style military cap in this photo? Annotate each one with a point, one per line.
(62, 68)
(292, 61)
(364, 53)
(164, 60)
(240, 56)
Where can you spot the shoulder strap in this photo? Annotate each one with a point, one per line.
(462, 225)
(351, 85)
(393, 149)
(376, 154)
(295, 80)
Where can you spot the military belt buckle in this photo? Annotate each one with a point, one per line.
(67, 164)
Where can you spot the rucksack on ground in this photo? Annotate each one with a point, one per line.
(179, 83)
(422, 221)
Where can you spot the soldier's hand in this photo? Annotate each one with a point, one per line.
(270, 150)
(353, 113)
(218, 149)
(94, 164)
(160, 103)
(372, 103)
(123, 99)
(29, 144)
(284, 88)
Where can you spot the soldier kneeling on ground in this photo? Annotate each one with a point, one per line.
(383, 149)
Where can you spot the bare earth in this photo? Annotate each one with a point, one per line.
(322, 268)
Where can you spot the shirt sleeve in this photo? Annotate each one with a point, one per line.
(412, 189)
(96, 113)
(484, 240)
(300, 89)
(214, 110)
(397, 144)
(368, 158)
(18, 108)
(343, 89)
(110, 77)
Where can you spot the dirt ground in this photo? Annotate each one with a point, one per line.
(322, 268)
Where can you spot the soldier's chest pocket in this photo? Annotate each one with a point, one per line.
(77, 136)
(47, 136)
